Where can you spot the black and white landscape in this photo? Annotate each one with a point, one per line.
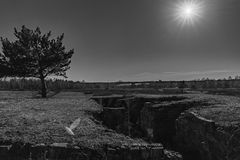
(120, 80)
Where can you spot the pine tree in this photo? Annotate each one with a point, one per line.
(34, 55)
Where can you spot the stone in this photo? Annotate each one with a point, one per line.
(4, 150)
(202, 139)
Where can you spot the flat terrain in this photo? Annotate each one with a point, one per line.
(31, 120)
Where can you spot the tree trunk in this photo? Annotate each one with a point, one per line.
(44, 90)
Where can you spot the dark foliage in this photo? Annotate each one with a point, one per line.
(34, 54)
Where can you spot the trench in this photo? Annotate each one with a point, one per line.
(115, 118)
(151, 119)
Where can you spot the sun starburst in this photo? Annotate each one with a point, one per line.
(188, 12)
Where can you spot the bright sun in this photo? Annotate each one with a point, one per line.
(188, 12)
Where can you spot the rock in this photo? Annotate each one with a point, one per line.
(142, 152)
(201, 139)
(63, 145)
(171, 155)
(4, 150)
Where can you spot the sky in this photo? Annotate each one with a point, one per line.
(135, 40)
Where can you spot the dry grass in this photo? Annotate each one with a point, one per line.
(223, 110)
(38, 121)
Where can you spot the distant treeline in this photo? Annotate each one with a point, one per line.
(60, 84)
(35, 84)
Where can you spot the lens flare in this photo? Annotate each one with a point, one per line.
(188, 12)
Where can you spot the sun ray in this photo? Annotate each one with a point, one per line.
(188, 12)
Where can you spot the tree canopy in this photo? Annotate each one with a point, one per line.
(34, 54)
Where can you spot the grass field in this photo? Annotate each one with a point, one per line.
(30, 120)
(223, 110)
(34, 120)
